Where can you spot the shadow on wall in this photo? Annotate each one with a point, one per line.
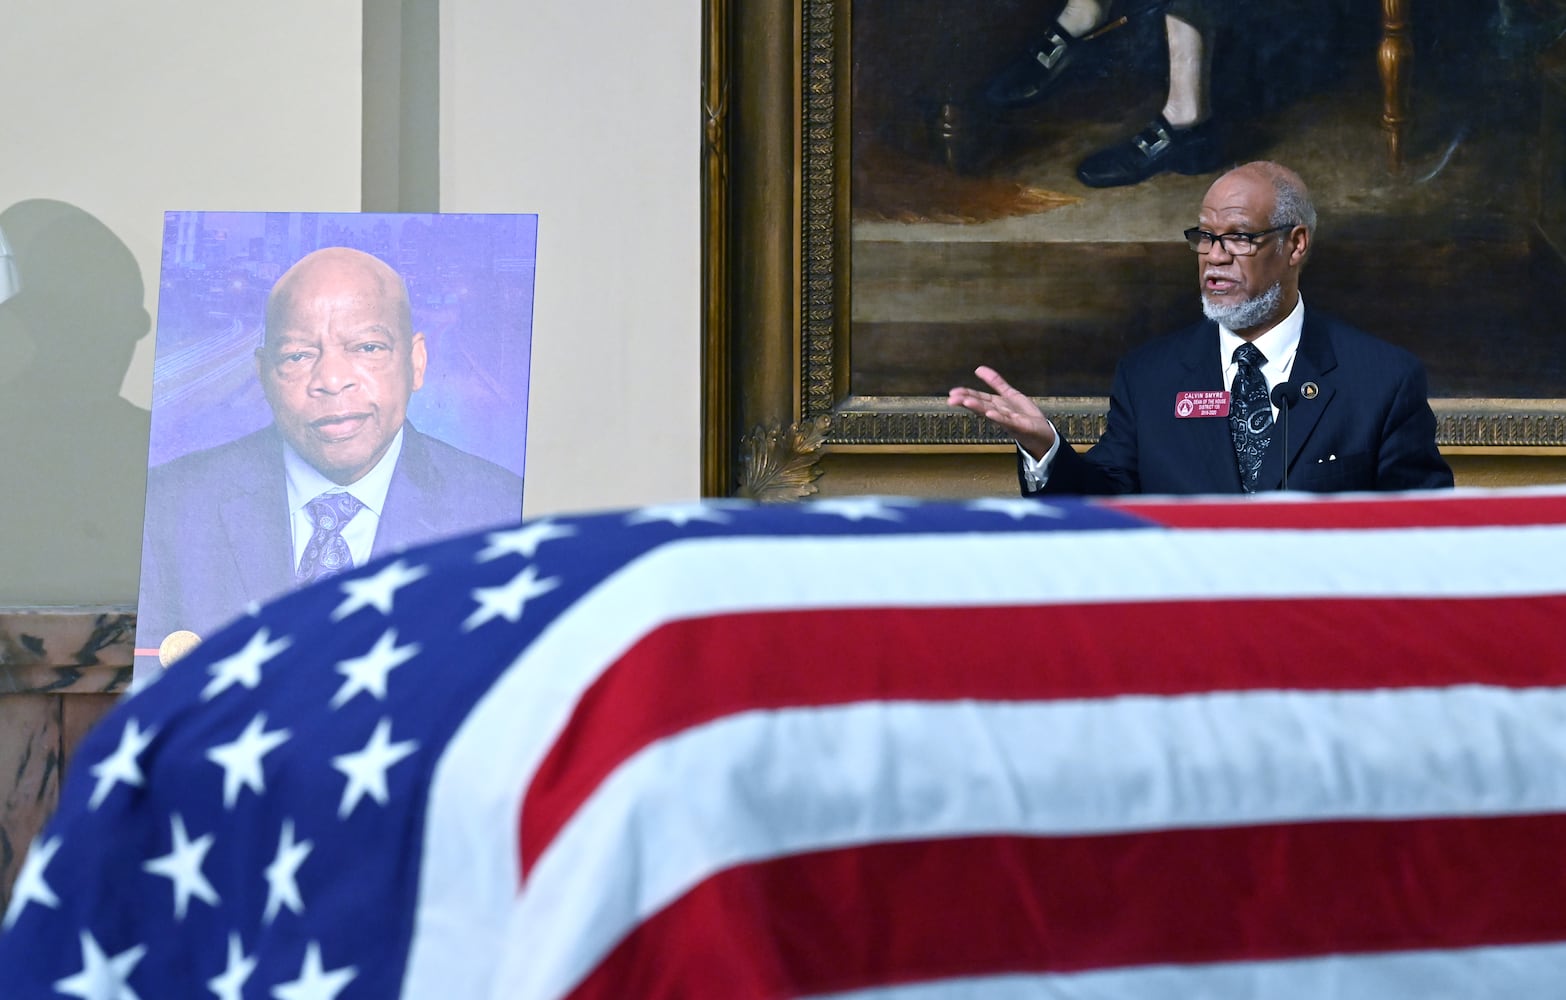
(73, 453)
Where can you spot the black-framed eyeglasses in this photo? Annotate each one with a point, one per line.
(1238, 244)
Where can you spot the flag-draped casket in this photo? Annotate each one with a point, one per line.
(868, 748)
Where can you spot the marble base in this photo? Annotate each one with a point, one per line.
(61, 670)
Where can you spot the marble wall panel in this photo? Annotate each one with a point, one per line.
(61, 670)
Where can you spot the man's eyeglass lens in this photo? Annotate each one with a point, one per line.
(1237, 244)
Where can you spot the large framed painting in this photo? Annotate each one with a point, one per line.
(878, 224)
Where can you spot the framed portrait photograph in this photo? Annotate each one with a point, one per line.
(327, 389)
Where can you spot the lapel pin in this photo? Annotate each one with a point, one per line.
(1310, 390)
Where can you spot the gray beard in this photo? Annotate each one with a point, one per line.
(1244, 315)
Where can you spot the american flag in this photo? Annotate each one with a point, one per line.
(870, 747)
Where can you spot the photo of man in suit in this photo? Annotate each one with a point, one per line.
(1264, 393)
(338, 478)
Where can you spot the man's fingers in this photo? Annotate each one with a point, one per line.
(970, 398)
(985, 404)
(992, 378)
(1007, 408)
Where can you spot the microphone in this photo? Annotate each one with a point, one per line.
(1284, 395)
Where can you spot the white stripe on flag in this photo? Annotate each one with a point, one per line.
(470, 872)
(763, 785)
(1509, 973)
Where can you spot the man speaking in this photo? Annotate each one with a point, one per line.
(339, 477)
(1264, 394)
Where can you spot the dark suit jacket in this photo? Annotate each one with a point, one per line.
(217, 537)
(1369, 427)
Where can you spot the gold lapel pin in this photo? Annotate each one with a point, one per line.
(1309, 390)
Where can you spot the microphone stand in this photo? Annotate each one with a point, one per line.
(1283, 397)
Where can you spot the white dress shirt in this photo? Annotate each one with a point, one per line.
(1278, 346)
(305, 483)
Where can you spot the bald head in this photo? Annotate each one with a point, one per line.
(334, 269)
(1292, 203)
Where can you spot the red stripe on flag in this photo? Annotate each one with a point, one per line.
(916, 911)
(1437, 511)
(690, 672)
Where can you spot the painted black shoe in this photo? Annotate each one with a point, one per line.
(1025, 80)
(1158, 148)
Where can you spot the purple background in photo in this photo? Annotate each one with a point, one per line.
(470, 284)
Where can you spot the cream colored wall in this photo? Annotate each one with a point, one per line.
(128, 110)
(112, 113)
(588, 115)
(115, 112)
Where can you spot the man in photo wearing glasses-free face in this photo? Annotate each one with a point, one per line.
(339, 477)
(1214, 407)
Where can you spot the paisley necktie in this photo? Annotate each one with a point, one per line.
(327, 554)
(1250, 414)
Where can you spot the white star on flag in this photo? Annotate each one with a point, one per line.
(508, 601)
(231, 984)
(377, 591)
(523, 541)
(102, 977)
(30, 886)
(314, 982)
(120, 766)
(679, 514)
(182, 867)
(241, 759)
(855, 508)
(366, 769)
(244, 667)
(369, 672)
(282, 886)
(1016, 508)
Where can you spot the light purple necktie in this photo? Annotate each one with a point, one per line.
(327, 554)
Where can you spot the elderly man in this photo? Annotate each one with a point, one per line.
(339, 477)
(1195, 411)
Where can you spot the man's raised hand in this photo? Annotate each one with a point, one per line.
(1007, 409)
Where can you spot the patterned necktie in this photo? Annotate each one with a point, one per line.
(327, 554)
(1250, 414)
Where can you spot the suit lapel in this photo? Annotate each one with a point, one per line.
(261, 541)
(411, 499)
(1213, 453)
(1314, 360)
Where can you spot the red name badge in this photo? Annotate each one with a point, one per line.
(1214, 403)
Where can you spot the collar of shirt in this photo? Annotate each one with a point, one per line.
(1277, 345)
(305, 483)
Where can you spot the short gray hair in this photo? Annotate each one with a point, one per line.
(1292, 205)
